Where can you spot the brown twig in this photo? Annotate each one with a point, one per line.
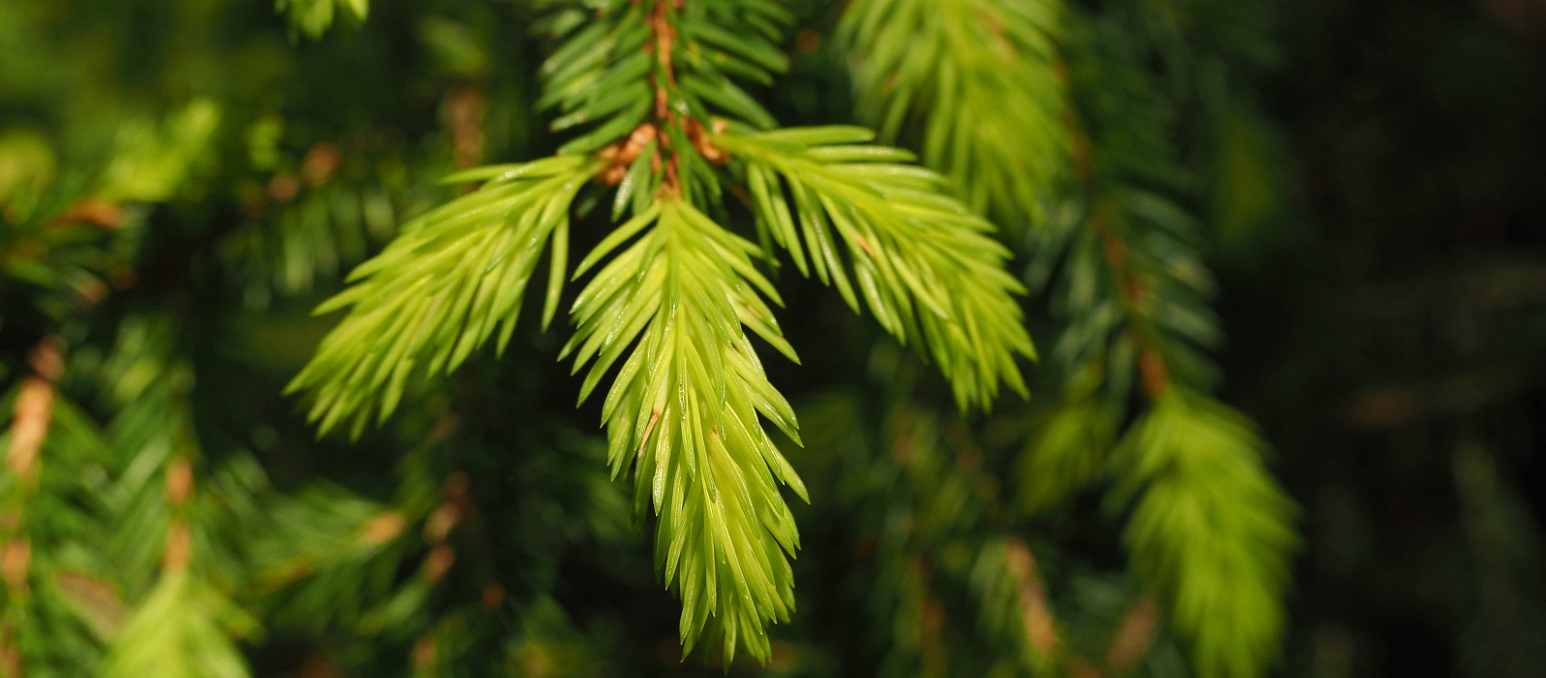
(179, 535)
(1132, 639)
(1036, 616)
(31, 416)
(34, 409)
(464, 113)
(664, 36)
(1133, 293)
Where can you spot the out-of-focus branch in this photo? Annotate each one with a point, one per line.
(31, 416)
(1132, 639)
(34, 409)
(179, 536)
(1036, 615)
(464, 114)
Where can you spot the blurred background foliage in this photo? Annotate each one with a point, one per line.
(181, 181)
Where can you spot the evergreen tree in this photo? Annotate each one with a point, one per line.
(280, 395)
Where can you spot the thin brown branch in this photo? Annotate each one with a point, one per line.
(663, 39)
(34, 410)
(438, 562)
(10, 654)
(179, 536)
(464, 114)
(321, 163)
(383, 528)
(1133, 293)
(179, 547)
(1153, 371)
(14, 563)
(424, 652)
(1035, 614)
(1460, 393)
(931, 619)
(31, 417)
(92, 211)
(1131, 642)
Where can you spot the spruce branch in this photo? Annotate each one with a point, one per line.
(650, 88)
(183, 622)
(327, 555)
(33, 411)
(934, 508)
(924, 265)
(1209, 530)
(683, 412)
(442, 288)
(181, 630)
(184, 626)
(666, 65)
(978, 84)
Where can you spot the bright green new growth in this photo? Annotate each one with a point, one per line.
(1208, 530)
(924, 264)
(442, 288)
(977, 82)
(669, 312)
(684, 409)
(183, 629)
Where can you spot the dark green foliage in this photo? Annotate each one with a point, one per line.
(794, 248)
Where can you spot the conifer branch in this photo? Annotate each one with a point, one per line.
(683, 412)
(978, 84)
(182, 622)
(1210, 530)
(650, 85)
(442, 289)
(181, 630)
(924, 265)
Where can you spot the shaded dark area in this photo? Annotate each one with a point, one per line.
(1396, 350)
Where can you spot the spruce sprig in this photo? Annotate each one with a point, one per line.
(650, 87)
(452, 279)
(684, 410)
(977, 85)
(1208, 529)
(924, 264)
